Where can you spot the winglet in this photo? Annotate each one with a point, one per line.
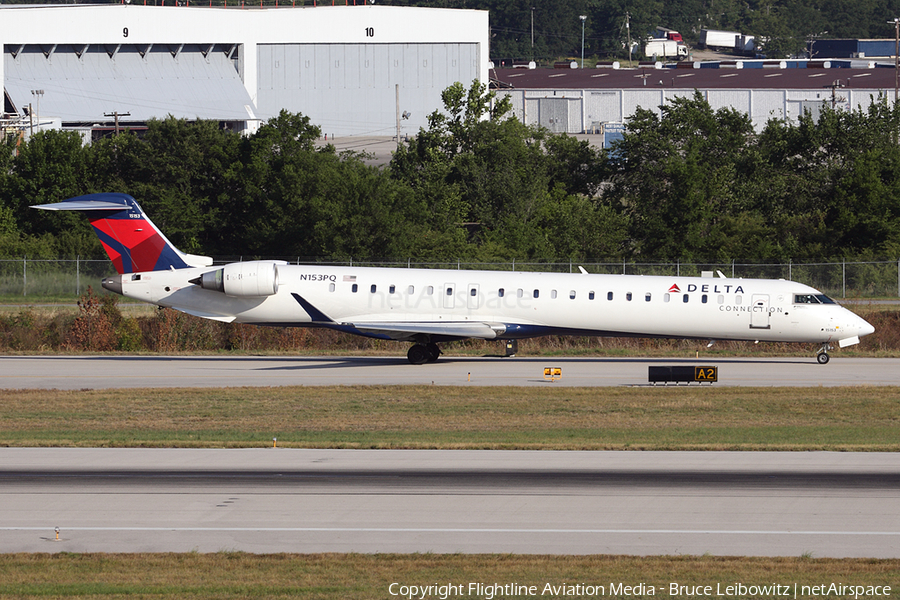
(315, 314)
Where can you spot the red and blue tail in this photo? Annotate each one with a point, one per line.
(131, 240)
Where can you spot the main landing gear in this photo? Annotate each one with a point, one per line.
(822, 357)
(419, 354)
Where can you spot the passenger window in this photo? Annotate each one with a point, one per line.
(720, 299)
(429, 290)
(392, 289)
(331, 287)
(473, 292)
(704, 298)
(355, 288)
(449, 291)
(372, 289)
(500, 292)
(571, 294)
(647, 297)
(628, 296)
(590, 295)
(537, 293)
(738, 299)
(412, 290)
(609, 296)
(520, 292)
(553, 294)
(685, 298)
(666, 297)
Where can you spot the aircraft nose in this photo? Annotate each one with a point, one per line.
(865, 328)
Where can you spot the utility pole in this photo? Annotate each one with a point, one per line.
(116, 114)
(896, 58)
(532, 33)
(397, 102)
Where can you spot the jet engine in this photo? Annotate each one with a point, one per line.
(243, 279)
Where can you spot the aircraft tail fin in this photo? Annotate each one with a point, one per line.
(131, 240)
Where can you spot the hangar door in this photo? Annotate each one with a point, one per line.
(83, 83)
(350, 89)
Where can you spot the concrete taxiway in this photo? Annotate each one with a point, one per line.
(97, 372)
(281, 500)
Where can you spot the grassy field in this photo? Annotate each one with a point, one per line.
(332, 576)
(688, 418)
(857, 418)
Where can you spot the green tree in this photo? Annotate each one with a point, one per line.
(677, 174)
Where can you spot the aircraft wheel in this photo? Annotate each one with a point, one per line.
(418, 354)
(822, 358)
(433, 352)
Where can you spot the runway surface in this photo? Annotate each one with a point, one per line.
(96, 372)
(280, 500)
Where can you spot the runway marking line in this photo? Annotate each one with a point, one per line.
(436, 530)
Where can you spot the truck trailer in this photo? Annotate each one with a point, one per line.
(720, 40)
(665, 49)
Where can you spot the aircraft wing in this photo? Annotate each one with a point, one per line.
(408, 329)
(206, 315)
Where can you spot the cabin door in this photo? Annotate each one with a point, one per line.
(759, 315)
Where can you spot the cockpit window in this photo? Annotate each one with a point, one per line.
(812, 299)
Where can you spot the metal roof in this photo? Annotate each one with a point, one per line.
(688, 77)
(83, 84)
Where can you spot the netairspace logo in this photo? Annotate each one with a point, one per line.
(489, 591)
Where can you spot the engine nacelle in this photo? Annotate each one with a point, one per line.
(243, 279)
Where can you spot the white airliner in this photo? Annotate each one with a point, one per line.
(427, 306)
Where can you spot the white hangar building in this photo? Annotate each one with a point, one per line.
(354, 70)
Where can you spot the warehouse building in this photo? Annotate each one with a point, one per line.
(593, 100)
(354, 70)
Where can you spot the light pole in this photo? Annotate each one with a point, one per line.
(37, 94)
(583, 18)
(532, 33)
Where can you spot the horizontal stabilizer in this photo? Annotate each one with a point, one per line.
(469, 329)
(85, 205)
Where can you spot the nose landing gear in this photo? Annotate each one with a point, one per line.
(822, 357)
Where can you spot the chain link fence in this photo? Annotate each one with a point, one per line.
(34, 278)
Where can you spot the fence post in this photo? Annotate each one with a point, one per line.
(24, 276)
(843, 278)
(77, 275)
